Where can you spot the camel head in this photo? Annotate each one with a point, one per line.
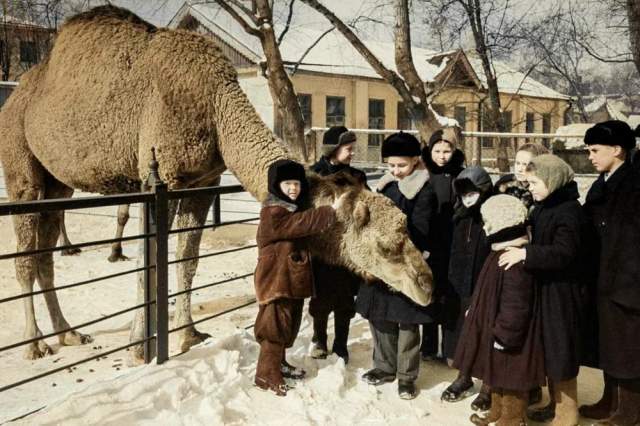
(371, 237)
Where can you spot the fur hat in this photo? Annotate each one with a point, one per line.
(282, 170)
(552, 170)
(504, 218)
(400, 145)
(612, 132)
(334, 138)
(447, 134)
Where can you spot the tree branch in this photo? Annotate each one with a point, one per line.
(288, 24)
(245, 25)
(306, 52)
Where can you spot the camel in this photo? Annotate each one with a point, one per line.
(113, 87)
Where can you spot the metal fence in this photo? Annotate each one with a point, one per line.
(155, 237)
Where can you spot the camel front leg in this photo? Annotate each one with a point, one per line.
(64, 240)
(192, 212)
(116, 248)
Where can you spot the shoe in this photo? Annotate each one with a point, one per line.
(493, 415)
(535, 395)
(406, 389)
(607, 404)
(342, 352)
(377, 377)
(280, 389)
(319, 352)
(543, 414)
(290, 372)
(458, 390)
(482, 402)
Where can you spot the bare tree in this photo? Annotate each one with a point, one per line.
(257, 20)
(415, 93)
(633, 14)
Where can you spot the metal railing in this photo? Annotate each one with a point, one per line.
(155, 238)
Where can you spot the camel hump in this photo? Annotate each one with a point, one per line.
(110, 13)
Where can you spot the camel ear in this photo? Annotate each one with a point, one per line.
(360, 214)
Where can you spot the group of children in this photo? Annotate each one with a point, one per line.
(529, 283)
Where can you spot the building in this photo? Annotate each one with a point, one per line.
(22, 45)
(335, 85)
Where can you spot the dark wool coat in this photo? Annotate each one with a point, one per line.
(613, 207)
(441, 179)
(556, 258)
(376, 301)
(504, 308)
(324, 168)
(284, 264)
(469, 250)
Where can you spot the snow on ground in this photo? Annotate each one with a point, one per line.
(212, 383)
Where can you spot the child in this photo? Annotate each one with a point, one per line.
(516, 183)
(469, 250)
(394, 319)
(502, 331)
(556, 258)
(444, 162)
(283, 276)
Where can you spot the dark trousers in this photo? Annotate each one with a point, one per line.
(276, 328)
(430, 344)
(396, 349)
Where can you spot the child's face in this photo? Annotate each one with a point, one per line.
(401, 167)
(441, 153)
(523, 158)
(344, 154)
(290, 188)
(537, 187)
(470, 199)
(603, 157)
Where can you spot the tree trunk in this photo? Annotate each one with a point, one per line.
(280, 85)
(633, 12)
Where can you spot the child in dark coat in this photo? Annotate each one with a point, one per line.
(502, 333)
(283, 276)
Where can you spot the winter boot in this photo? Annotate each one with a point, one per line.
(607, 404)
(482, 402)
(458, 390)
(565, 394)
(319, 338)
(290, 372)
(535, 395)
(342, 335)
(268, 375)
(378, 377)
(628, 411)
(407, 389)
(514, 408)
(546, 413)
(493, 415)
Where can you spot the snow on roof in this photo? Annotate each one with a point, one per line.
(16, 21)
(574, 141)
(334, 55)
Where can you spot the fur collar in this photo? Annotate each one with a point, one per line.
(409, 186)
(518, 242)
(272, 200)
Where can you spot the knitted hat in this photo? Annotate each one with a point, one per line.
(334, 138)
(504, 218)
(612, 132)
(447, 134)
(400, 145)
(282, 170)
(552, 170)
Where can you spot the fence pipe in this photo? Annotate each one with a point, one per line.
(162, 271)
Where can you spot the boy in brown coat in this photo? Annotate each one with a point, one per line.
(501, 340)
(283, 276)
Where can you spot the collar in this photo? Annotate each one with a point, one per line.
(272, 200)
(409, 186)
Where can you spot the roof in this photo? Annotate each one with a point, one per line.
(12, 20)
(333, 55)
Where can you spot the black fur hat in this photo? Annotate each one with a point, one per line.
(282, 170)
(612, 132)
(334, 138)
(400, 145)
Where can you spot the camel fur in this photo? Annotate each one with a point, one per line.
(112, 88)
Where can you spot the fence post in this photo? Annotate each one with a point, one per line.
(216, 210)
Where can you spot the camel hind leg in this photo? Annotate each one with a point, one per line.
(116, 248)
(48, 230)
(64, 240)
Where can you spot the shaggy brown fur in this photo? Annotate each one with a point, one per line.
(112, 88)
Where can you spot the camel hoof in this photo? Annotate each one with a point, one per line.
(70, 252)
(37, 350)
(117, 257)
(191, 338)
(73, 338)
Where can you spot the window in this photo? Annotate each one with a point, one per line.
(546, 128)
(486, 142)
(376, 120)
(507, 120)
(2, 53)
(460, 114)
(405, 122)
(28, 52)
(335, 111)
(529, 126)
(305, 105)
